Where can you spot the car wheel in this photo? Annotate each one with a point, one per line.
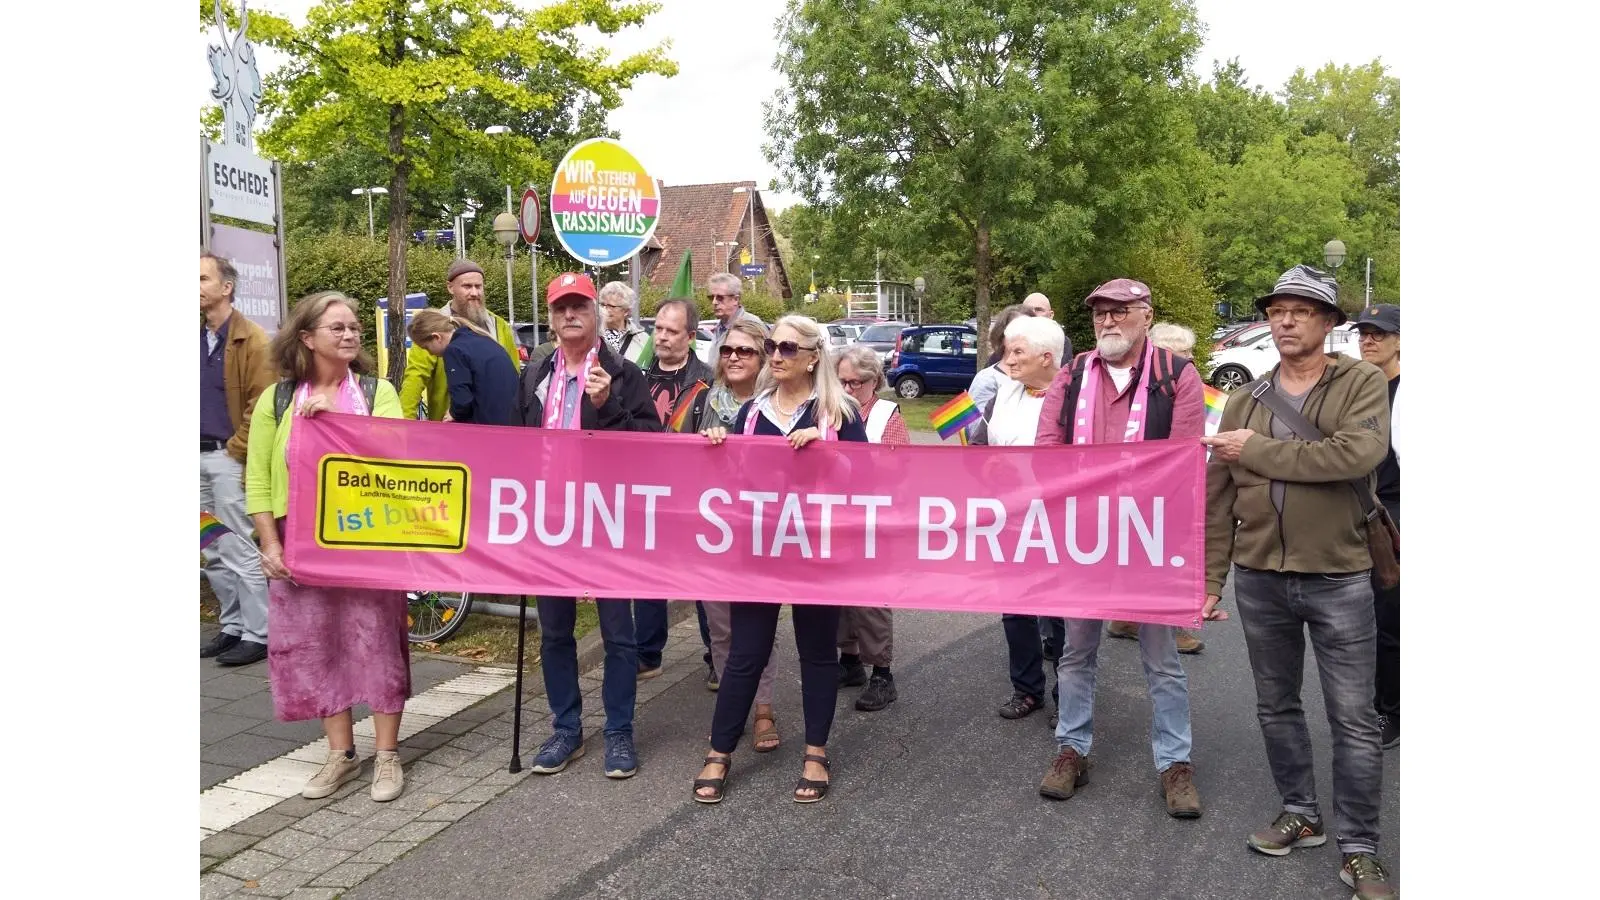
(1228, 378)
(909, 387)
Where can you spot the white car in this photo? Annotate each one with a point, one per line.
(1255, 354)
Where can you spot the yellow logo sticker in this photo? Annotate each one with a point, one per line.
(387, 504)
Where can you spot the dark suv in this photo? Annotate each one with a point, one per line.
(938, 358)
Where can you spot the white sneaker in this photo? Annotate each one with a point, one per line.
(387, 778)
(333, 774)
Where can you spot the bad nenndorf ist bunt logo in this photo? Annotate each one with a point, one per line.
(387, 504)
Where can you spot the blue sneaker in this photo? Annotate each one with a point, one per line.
(620, 759)
(563, 747)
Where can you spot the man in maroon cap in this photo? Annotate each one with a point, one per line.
(1126, 389)
(585, 385)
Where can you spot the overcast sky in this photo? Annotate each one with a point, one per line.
(725, 48)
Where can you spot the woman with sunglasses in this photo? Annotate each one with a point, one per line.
(740, 358)
(798, 397)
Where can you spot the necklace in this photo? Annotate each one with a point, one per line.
(1035, 392)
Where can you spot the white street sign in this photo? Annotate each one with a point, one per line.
(241, 185)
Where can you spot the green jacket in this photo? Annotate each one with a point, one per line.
(425, 374)
(1321, 529)
(266, 470)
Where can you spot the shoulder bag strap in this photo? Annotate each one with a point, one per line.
(1262, 391)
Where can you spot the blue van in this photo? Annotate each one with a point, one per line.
(941, 359)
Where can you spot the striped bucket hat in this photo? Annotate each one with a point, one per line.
(1307, 283)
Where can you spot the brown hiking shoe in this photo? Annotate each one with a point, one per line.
(1363, 872)
(1123, 630)
(1183, 800)
(1188, 643)
(1067, 771)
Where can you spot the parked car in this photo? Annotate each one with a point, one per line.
(852, 330)
(1237, 365)
(882, 338)
(937, 358)
(839, 336)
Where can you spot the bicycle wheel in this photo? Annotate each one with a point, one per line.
(432, 616)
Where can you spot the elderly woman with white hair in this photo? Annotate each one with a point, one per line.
(1034, 349)
(866, 633)
(619, 328)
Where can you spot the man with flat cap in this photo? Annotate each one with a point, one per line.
(424, 378)
(1379, 327)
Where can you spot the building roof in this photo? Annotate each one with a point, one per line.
(696, 217)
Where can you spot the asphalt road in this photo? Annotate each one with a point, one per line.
(934, 797)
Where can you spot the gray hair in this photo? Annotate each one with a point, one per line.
(727, 281)
(225, 271)
(866, 361)
(1172, 336)
(616, 289)
(1042, 334)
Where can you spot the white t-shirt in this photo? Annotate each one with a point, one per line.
(1120, 377)
(1015, 421)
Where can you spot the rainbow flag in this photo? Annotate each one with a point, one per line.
(1216, 401)
(211, 528)
(954, 416)
(680, 416)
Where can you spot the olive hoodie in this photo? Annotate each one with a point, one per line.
(1321, 529)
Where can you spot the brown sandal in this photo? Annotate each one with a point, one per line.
(719, 785)
(765, 734)
(821, 787)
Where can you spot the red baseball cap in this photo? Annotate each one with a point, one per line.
(569, 283)
(1120, 290)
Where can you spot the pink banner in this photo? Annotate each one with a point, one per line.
(1107, 532)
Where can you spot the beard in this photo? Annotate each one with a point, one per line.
(1113, 346)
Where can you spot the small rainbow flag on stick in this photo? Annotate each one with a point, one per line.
(211, 528)
(953, 417)
(1215, 402)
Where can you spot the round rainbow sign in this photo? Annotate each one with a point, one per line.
(603, 204)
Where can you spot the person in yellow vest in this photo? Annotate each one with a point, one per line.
(424, 379)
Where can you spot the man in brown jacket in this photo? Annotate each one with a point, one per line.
(1283, 510)
(235, 368)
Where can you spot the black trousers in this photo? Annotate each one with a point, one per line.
(755, 627)
(1386, 603)
(1025, 650)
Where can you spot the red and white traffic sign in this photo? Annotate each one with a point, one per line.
(529, 220)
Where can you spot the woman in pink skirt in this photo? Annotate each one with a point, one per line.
(330, 648)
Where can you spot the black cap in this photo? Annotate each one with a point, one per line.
(1384, 317)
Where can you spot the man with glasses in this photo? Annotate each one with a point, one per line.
(1125, 389)
(1286, 512)
(425, 374)
(727, 304)
(1379, 327)
(671, 375)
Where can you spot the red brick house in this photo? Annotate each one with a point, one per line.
(714, 222)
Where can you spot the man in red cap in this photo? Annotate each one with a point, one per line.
(585, 385)
(1126, 389)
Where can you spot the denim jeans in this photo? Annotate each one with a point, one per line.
(1276, 609)
(650, 630)
(232, 564)
(1170, 734)
(1025, 650)
(557, 616)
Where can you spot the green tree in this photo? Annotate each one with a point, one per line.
(405, 81)
(1013, 131)
(1231, 115)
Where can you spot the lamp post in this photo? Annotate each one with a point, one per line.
(1333, 255)
(919, 284)
(461, 229)
(726, 256)
(371, 232)
(505, 231)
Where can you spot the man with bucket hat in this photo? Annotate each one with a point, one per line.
(1379, 327)
(1289, 466)
(1125, 389)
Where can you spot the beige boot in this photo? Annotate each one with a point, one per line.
(387, 778)
(333, 774)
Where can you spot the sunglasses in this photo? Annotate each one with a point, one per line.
(727, 352)
(785, 349)
(715, 297)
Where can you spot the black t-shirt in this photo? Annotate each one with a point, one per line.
(1389, 469)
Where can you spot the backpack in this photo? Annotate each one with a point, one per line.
(1163, 384)
(283, 395)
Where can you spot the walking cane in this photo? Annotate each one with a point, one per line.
(516, 707)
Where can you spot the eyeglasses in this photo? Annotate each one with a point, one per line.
(340, 330)
(728, 352)
(616, 306)
(1372, 334)
(785, 349)
(715, 297)
(1295, 314)
(851, 384)
(1115, 314)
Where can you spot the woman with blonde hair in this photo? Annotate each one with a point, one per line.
(331, 648)
(481, 378)
(798, 396)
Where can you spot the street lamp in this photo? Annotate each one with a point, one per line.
(506, 230)
(919, 284)
(1333, 255)
(371, 233)
(461, 229)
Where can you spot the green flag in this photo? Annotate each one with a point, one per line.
(683, 285)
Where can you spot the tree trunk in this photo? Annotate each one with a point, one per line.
(981, 312)
(398, 218)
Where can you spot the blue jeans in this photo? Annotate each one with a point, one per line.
(1276, 609)
(557, 616)
(650, 630)
(1170, 735)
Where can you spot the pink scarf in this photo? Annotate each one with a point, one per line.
(556, 396)
(1089, 397)
(348, 400)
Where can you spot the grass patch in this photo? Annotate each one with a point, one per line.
(916, 411)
